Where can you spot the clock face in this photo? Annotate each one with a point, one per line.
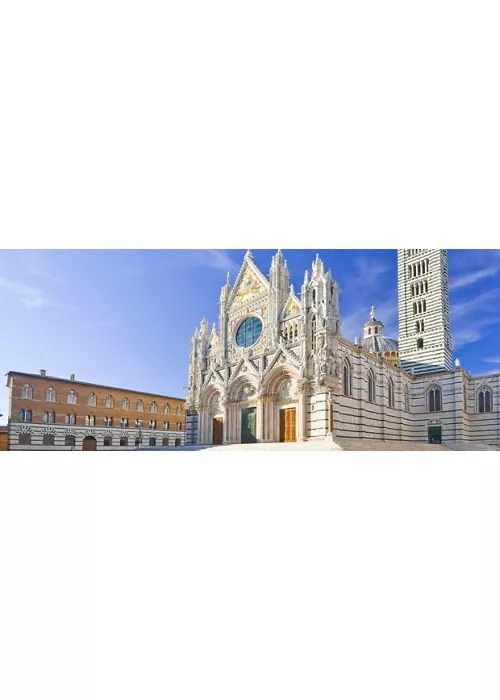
(249, 332)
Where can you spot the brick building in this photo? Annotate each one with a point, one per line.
(53, 413)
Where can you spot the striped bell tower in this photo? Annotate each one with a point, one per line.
(424, 313)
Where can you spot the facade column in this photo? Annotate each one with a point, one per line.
(302, 413)
(260, 419)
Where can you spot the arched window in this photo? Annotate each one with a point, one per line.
(123, 442)
(165, 442)
(412, 289)
(139, 405)
(179, 426)
(92, 399)
(426, 286)
(153, 407)
(70, 419)
(434, 399)
(123, 422)
(26, 392)
(415, 307)
(28, 416)
(125, 404)
(179, 410)
(417, 326)
(69, 440)
(48, 439)
(313, 331)
(24, 439)
(314, 296)
(419, 269)
(166, 408)
(107, 441)
(485, 400)
(50, 394)
(407, 399)
(89, 420)
(152, 442)
(108, 422)
(22, 415)
(410, 272)
(391, 393)
(347, 378)
(71, 397)
(424, 305)
(420, 343)
(152, 425)
(371, 386)
(177, 442)
(110, 402)
(49, 417)
(166, 425)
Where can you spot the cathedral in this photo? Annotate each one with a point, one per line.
(277, 368)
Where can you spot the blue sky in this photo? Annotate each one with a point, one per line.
(125, 317)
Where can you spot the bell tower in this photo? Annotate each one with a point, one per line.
(424, 313)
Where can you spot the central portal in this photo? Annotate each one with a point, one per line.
(288, 431)
(249, 425)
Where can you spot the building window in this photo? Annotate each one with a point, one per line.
(166, 408)
(107, 442)
(48, 440)
(179, 410)
(313, 331)
(70, 440)
(434, 399)
(407, 399)
(123, 422)
(138, 442)
(70, 419)
(22, 415)
(152, 424)
(420, 343)
(166, 425)
(110, 402)
(391, 393)
(49, 417)
(123, 442)
(179, 426)
(50, 394)
(177, 442)
(108, 422)
(153, 407)
(165, 442)
(347, 378)
(89, 420)
(125, 404)
(485, 400)
(92, 399)
(371, 387)
(152, 442)
(26, 392)
(24, 439)
(140, 405)
(138, 423)
(71, 397)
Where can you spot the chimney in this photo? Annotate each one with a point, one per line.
(42, 373)
(72, 377)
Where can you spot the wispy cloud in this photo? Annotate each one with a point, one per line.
(218, 259)
(492, 359)
(29, 296)
(473, 277)
(478, 303)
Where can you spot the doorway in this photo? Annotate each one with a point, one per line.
(89, 443)
(435, 435)
(249, 425)
(288, 429)
(217, 435)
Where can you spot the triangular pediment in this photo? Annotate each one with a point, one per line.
(249, 283)
(292, 307)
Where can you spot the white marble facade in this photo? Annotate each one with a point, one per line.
(276, 350)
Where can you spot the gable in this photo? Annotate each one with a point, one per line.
(249, 284)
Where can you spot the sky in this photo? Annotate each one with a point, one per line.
(125, 317)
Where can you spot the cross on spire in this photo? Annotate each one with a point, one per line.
(372, 313)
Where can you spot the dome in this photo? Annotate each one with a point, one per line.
(379, 343)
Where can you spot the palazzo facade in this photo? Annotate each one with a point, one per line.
(277, 368)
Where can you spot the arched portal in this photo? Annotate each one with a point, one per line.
(211, 416)
(284, 409)
(89, 443)
(242, 415)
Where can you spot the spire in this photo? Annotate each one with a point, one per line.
(372, 313)
(306, 277)
(292, 289)
(248, 254)
(228, 279)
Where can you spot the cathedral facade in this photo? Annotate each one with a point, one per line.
(277, 368)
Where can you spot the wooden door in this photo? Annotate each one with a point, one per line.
(435, 436)
(288, 429)
(89, 443)
(217, 438)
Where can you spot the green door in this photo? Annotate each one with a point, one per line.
(249, 425)
(435, 435)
